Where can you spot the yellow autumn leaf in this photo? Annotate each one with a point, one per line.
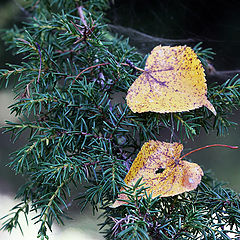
(178, 176)
(173, 81)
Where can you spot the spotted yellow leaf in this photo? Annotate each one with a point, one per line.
(173, 81)
(177, 175)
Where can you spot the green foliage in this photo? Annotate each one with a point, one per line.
(210, 212)
(203, 54)
(70, 92)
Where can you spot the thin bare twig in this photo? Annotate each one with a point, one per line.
(40, 67)
(213, 145)
(101, 64)
(80, 12)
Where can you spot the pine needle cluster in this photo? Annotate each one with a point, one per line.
(70, 99)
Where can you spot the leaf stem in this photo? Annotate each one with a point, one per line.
(213, 145)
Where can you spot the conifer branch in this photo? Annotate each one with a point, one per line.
(70, 97)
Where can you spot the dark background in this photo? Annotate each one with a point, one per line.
(215, 23)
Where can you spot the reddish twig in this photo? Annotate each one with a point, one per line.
(86, 69)
(213, 145)
(35, 5)
(91, 163)
(101, 64)
(77, 28)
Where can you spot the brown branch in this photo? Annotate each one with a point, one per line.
(211, 71)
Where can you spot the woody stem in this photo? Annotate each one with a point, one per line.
(213, 145)
(103, 64)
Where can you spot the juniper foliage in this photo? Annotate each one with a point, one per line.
(70, 91)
